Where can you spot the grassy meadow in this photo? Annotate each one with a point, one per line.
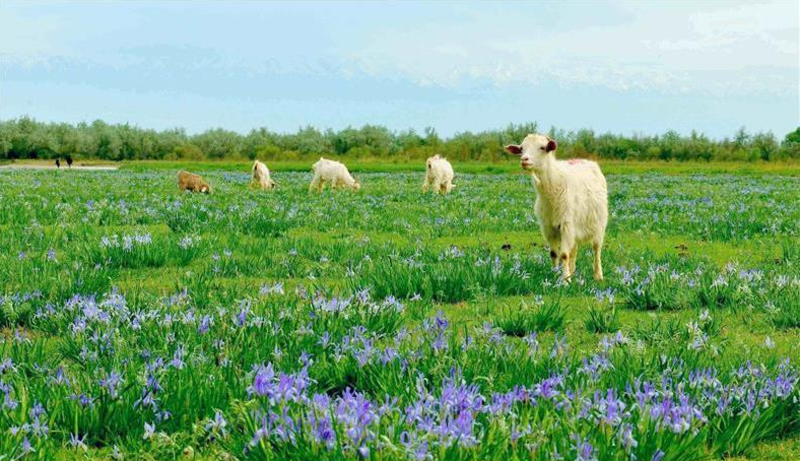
(137, 322)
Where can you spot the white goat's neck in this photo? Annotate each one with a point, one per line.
(547, 173)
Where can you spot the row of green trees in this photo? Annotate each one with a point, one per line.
(28, 138)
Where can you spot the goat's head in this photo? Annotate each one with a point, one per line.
(533, 149)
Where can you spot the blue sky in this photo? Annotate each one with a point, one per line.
(622, 67)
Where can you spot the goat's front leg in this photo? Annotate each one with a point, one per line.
(567, 248)
(553, 236)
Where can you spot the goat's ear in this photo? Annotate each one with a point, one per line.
(551, 145)
(514, 149)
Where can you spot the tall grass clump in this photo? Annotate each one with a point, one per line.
(541, 315)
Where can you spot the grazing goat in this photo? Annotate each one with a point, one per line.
(261, 177)
(571, 201)
(439, 175)
(192, 182)
(332, 172)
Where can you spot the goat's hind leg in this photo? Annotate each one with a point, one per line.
(554, 257)
(597, 249)
(573, 256)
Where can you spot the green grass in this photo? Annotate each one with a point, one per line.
(403, 164)
(701, 272)
(399, 164)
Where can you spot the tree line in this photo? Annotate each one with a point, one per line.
(26, 138)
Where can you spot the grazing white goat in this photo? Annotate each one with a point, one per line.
(332, 172)
(439, 175)
(571, 201)
(261, 177)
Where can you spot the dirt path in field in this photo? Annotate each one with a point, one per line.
(53, 167)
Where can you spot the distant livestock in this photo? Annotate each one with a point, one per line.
(192, 182)
(571, 201)
(438, 176)
(261, 177)
(332, 172)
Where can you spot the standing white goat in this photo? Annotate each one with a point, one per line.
(333, 172)
(439, 175)
(261, 178)
(571, 201)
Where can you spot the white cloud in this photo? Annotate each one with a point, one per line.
(27, 39)
(718, 48)
(771, 27)
(714, 48)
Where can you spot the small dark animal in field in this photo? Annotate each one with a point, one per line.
(58, 163)
(192, 182)
(506, 246)
(69, 161)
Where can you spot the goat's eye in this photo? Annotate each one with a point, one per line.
(541, 148)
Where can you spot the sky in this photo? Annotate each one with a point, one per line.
(621, 67)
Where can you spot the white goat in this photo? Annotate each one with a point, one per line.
(439, 175)
(332, 172)
(261, 178)
(571, 201)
